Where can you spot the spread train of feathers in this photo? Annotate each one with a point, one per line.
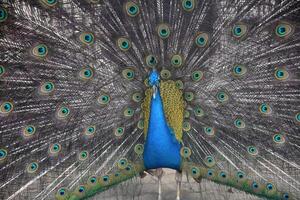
(90, 89)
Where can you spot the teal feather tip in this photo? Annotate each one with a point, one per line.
(188, 5)
(3, 154)
(29, 130)
(40, 51)
(284, 30)
(49, 3)
(202, 40)
(6, 107)
(32, 167)
(3, 14)
(132, 9)
(87, 38)
(2, 70)
(297, 117)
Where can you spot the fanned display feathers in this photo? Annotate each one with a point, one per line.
(95, 92)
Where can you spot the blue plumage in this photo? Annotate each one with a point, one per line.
(161, 147)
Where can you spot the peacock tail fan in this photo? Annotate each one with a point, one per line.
(95, 92)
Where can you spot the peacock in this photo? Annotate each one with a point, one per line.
(95, 94)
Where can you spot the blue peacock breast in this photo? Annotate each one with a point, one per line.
(162, 149)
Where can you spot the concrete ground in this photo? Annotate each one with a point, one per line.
(147, 189)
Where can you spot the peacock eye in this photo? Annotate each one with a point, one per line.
(189, 96)
(40, 51)
(255, 185)
(122, 163)
(86, 73)
(87, 38)
(105, 179)
(202, 39)
(239, 30)
(269, 186)
(186, 114)
(63, 112)
(210, 131)
(140, 124)
(29, 130)
(3, 14)
(188, 5)
(297, 117)
(46, 88)
(90, 130)
(128, 112)
(284, 30)
(209, 161)
(117, 174)
(49, 3)
(151, 61)
(165, 74)
(176, 61)
(137, 97)
(223, 174)
(197, 75)
(252, 150)
(210, 173)
(3, 154)
(119, 131)
(81, 189)
(146, 82)
(92, 180)
(186, 126)
(6, 107)
(198, 111)
(281, 74)
(123, 43)
(163, 31)
(128, 168)
(139, 149)
(239, 70)
(83, 155)
(132, 9)
(128, 74)
(222, 97)
(195, 172)
(54, 148)
(278, 139)
(285, 196)
(239, 123)
(2, 70)
(61, 192)
(240, 175)
(179, 84)
(103, 99)
(265, 109)
(32, 167)
(185, 152)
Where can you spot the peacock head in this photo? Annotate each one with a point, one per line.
(154, 78)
